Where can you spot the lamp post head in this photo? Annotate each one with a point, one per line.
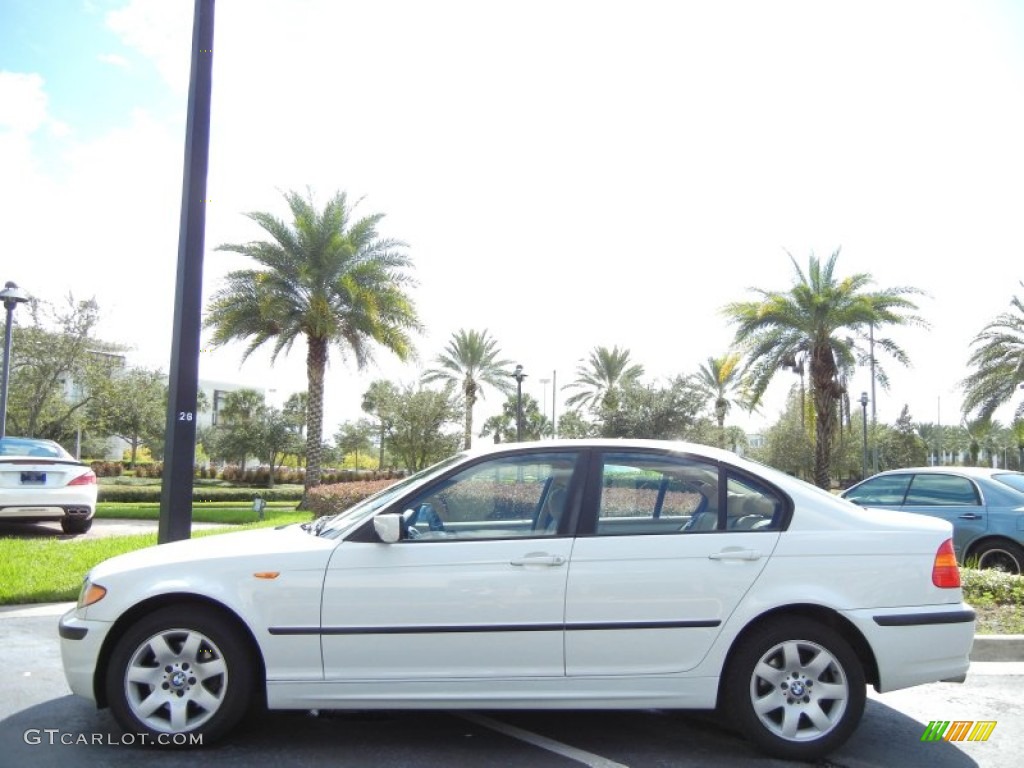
(864, 399)
(12, 295)
(518, 374)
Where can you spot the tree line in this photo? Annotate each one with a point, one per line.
(327, 279)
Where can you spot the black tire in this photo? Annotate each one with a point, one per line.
(795, 688)
(180, 670)
(75, 525)
(1001, 555)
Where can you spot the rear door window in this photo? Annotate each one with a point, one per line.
(942, 490)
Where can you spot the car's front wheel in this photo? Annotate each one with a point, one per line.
(180, 670)
(795, 688)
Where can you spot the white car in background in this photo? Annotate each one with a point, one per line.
(553, 575)
(40, 481)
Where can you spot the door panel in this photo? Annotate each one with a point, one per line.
(678, 543)
(669, 594)
(445, 609)
(475, 590)
(952, 498)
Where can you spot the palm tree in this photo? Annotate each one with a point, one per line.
(377, 401)
(999, 363)
(602, 378)
(720, 376)
(326, 277)
(814, 319)
(471, 360)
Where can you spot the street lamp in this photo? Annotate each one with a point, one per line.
(544, 402)
(518, 375)
(12, 296)
(864, 411)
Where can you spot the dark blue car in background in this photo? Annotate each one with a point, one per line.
(985, 506)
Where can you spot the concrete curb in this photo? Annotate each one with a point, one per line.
(998, 648)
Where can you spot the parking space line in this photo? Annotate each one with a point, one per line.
(579, 755)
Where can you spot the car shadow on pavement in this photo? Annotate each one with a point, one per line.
(69, 732)
(35, 530)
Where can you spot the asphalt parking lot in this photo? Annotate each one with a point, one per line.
(42, 724)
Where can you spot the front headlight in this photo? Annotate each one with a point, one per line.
(90, 593)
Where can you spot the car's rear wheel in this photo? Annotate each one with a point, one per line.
(180, 671)
(795, 688)
(1001, 556)
(75, 525)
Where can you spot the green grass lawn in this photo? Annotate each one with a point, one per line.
(51, 570)
(229, 513)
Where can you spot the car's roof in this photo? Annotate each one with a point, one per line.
(678, 446)
(952, 470)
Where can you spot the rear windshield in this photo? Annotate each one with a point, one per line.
(1013, 479)
(24, 446)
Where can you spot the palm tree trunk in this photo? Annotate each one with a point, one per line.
(822, 375)
(316, 364)
(469, 389)
(720, 407)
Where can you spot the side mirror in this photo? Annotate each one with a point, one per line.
(388, 528)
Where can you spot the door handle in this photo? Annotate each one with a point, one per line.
(970, 516)
(735, 554)
(539, 559)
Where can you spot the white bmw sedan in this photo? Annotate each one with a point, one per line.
(576, 574)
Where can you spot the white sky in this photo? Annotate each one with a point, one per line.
(567, 173)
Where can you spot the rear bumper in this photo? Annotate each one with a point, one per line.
(46, 504)
(918, 645)
(32, 514)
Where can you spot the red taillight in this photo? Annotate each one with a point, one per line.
(945, 572)
(89, 478)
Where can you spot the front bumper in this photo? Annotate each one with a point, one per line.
(80, 644)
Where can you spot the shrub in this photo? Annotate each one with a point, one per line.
(107, 468)
(149, 470)
(989, 587)
(337, 497)
(289, 475)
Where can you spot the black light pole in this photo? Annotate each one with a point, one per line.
(518, 375)
(864, 410)
(12, 296)
(182, 392)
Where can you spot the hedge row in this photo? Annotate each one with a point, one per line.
(253, 476)
(151, 494)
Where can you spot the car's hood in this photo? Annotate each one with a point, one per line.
(264, 546)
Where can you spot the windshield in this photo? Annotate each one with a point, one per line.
(341, 523)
